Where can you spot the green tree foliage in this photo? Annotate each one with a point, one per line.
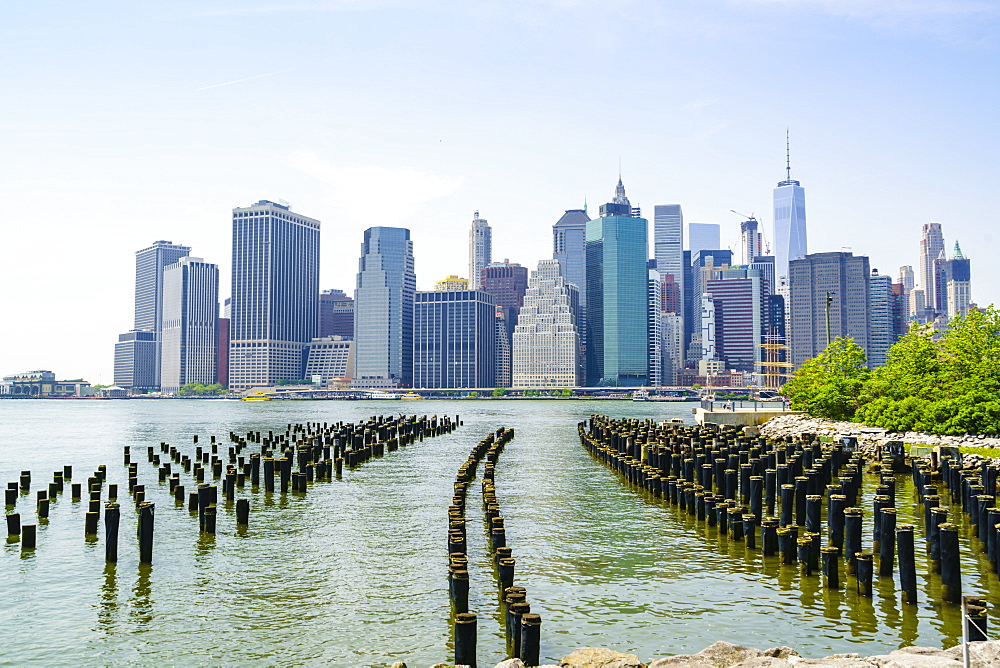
(830, 385)
(499, 392)
(947, 384)
(201, 390)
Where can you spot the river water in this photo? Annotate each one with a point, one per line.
(355, 572)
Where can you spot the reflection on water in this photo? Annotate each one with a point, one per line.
(355, 571)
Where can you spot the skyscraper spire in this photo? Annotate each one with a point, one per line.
(620, 197)
(958, 252)
(788, 157)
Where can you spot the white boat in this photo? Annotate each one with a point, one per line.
(640, 395)
(383, 395)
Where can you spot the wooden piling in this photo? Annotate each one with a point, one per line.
(531, 626)
(146, 514)
(865, 570)
(243, 512)
(951, 574)
(465, 639)
(887, 542)
(13, 524)
(112, 514)
(29, 536)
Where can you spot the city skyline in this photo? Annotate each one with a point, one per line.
(888, 107)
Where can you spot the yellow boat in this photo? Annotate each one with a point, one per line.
(260, 396)
(411, 396)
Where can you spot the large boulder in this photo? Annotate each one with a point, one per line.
(724, 654)
(600, 657)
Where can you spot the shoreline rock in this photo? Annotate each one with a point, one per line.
(724, 654)
(870, 437)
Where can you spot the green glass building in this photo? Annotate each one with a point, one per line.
(617, 295)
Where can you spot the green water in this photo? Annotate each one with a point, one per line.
(355, 572)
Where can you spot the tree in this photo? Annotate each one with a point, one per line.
(499, 392)
(831, 384)
(200, 390)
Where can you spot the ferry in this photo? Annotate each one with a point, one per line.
(411, 396)
(383, 395)
(640, 395)
(260, 396)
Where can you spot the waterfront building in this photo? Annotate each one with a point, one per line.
(42, 384)
(931, 249)
(671, 335)
(136, 361)
(880, 329)
(617, 322)
(844, 278)
(222, 353)
(546, 342)
(383, 331)
(331, 358)
(275, 299)
(149, 264)
(706, 339)
(739, 319)
(751, 241)
(336, 314)
(703, 236)
(789, 220)
(480, 249)
(452, 282)
(899, 311)
(454, 339)
(505, 342)
(190, 335)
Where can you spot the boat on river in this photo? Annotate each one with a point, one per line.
(411, 396)
(640, 395)
(259, 396)
(384, 396)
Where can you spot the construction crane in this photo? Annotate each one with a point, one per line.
(750, 217)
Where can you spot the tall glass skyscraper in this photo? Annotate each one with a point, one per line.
(480, 249)
(668, 242)
(617, 250)
(703, 236)
(569, 246)
(931, 250)
(789, 222)
(383, 309)
(137, 356)
(188, 352)
(275, 302)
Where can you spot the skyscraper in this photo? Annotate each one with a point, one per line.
(668, 241)
(751, 245)
(336, 314)
(931, 248)
(546, 345)
(844, 277)
(617, 295)
(880, 330)
(703, 236)
(654, 332)
(383, 326)
(189, 338)
(507, 281)
(569, 246)
(275, 302)
(480, 249)
(739, 320)
(454, 339)
(958, 291)
(789, 220)
(133, 350)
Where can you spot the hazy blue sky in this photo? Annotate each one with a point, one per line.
(127, 122)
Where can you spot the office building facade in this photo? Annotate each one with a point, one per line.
(275, 299)
(789, 237)
(331, 358)
(569, 247)
(149, 264)
(336, 314)
(190, 333)
(454, 339)
(881, 334)
(546, 343)
(383, 304)
(844, 277)
(703, 236)
(480, 249)
(739, 318)
(931, 250)
(668, 242)
(617, 320)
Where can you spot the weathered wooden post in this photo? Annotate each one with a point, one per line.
(531, 626)
(146, 532)
(465, 639)
(907, 563)
(112, 515)
(951, 574)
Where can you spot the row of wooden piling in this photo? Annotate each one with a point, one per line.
(775, 489)
(522, 627)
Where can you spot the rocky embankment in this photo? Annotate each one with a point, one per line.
(870, 437)
(727, 655)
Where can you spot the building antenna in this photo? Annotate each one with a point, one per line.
(788, 158)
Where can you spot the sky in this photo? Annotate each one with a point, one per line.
(128, 122)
